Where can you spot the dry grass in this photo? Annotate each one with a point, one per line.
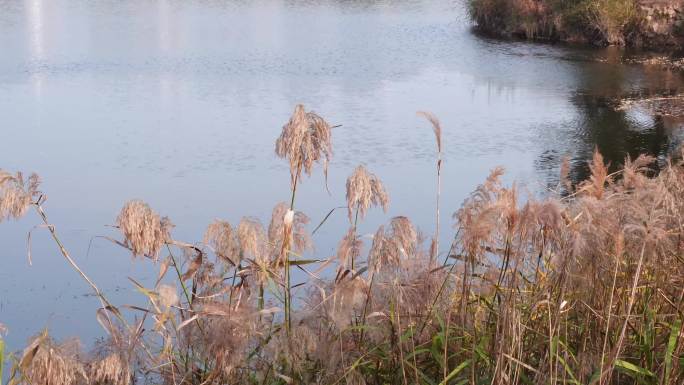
(16, 194)
(364, 190)
(223, 241)
(584, 287)
(304, 141)
(600, 22)
(143, 230)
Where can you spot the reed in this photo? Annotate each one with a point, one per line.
(437, 129)
(584, 286)
(304, 141)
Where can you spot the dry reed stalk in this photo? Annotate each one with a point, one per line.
(305, 140)
(437, 129)
(618, 255)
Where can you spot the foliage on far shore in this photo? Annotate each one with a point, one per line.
(599, 22)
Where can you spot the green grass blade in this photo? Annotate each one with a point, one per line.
(675, 329)
(455, 372)
(301, 262)
(630, 368)
(573, 380)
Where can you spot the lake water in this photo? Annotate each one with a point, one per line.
(179, 103)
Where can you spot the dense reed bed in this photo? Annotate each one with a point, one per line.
(583, 287)
(599, 22)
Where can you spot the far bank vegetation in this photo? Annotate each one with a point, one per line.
(600, 22)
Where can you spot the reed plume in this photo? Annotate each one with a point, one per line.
(111, 370)
(348, 250)
(301, 239)
(16, 194)
(167, 296)
(144, 231)
(253, 239)
(596, 184)
(304, 141)
(221, 237)
(392, 246)
(226, 334)
(364, 190)
(46, 362)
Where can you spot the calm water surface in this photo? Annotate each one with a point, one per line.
(179, 103)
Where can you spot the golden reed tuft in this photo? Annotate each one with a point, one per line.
(363, 190)
(253, 239)
(305, 140)
(111, 370)
(144, 231)
(16, 194)
(301, 238)
(221, 237)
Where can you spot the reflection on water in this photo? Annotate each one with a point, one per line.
(617, 133)
(179, 103)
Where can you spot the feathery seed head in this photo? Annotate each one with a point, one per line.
(633, 175)
(596, 184)
(46, 362)
(348, 298)
(399, 243)
(225, 333)
(144, 231)
(404, 236)
(565, 174)
(282, 216)
(305, 140)
(113, 370)
(436, 127)
(16, 194)
(253, 240)
(221, 237)
(363, 190)
(167, 296)
(349, 248)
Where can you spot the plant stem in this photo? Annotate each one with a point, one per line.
(439, 190)
(285, 255)
(356, 220)
(105, 302)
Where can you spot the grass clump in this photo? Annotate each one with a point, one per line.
(585, 286)
(600, 22)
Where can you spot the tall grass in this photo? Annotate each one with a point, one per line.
(601, 22)
(585, 286)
